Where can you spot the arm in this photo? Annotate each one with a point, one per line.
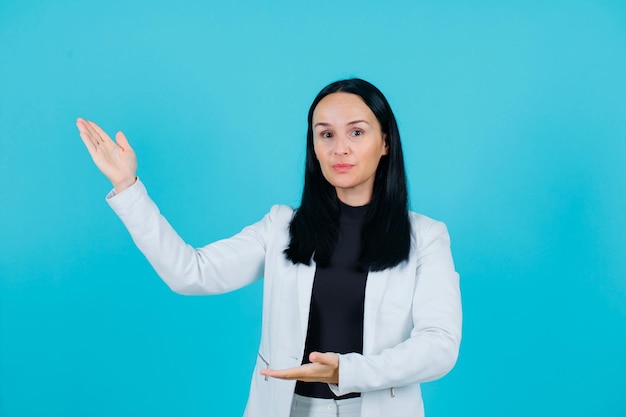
(222, 266)
(432, 348)
(219, 267)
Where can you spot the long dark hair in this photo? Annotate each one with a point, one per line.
(386, 230)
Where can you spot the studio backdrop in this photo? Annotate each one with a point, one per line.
(513, 121)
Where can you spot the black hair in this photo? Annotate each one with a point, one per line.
(386, 230)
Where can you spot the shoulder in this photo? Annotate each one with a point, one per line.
(275, 226)
(278, 219)
(281, 213)
(425, 229)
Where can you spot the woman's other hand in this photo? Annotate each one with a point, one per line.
(324, 367)
(117, 161)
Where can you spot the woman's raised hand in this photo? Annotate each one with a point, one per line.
(117, 161)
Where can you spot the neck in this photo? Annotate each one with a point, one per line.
(354, 199)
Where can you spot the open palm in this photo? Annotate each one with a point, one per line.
(116, 160)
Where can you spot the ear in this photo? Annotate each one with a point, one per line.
(386, 145)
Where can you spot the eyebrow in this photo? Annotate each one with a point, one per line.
(350, 123)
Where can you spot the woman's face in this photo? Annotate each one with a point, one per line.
(348, 143)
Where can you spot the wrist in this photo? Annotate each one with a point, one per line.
(124, 184)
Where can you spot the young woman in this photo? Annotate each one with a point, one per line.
(361, 301)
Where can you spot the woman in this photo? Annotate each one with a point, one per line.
(361, 301)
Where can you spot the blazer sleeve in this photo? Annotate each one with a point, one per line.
(219, 267)
(432, 348)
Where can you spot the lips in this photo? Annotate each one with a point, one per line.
(342, 167)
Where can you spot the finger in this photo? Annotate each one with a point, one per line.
(93, 134)
(104, 138)
(290, 373)
(122, 142)
(323, 358)
(283, 373)
(89, 141)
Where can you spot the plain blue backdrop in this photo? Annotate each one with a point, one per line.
(513, 119)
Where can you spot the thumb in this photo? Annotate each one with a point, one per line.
(323, 358)
(122, 141)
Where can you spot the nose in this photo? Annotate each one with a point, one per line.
(342, 146)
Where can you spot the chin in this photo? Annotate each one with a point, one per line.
(341, 184)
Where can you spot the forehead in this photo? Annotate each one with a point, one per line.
(342, 107)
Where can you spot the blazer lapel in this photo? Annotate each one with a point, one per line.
(305, 277)
(374, 294)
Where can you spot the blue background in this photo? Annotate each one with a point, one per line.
(513, 118)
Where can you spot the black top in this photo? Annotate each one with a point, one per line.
(337, 299)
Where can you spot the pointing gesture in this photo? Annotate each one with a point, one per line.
(117, 161)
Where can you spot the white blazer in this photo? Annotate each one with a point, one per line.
(412, 318)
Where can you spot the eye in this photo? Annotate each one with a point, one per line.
(357, 132)
(326, 135)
